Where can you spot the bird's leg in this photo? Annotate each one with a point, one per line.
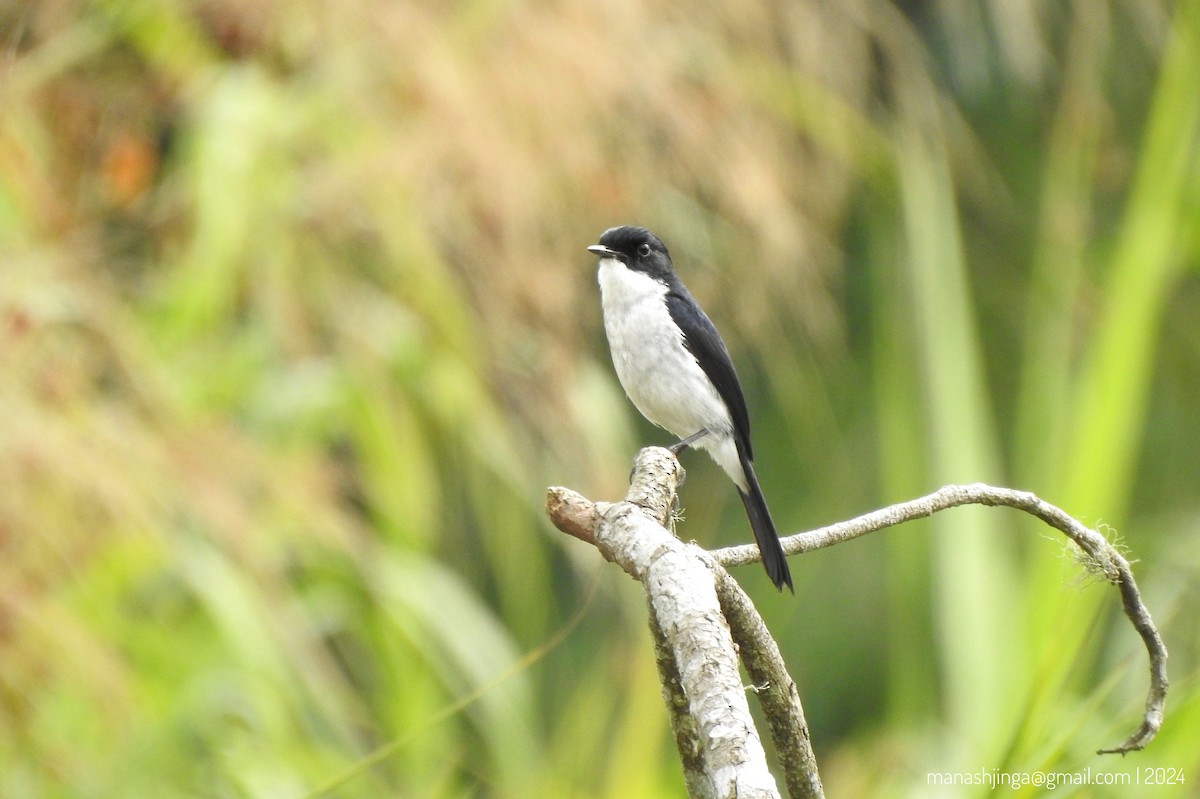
(687, 442)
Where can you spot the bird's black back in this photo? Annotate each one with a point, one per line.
(702, 340)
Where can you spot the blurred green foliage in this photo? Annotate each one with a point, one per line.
(296, 325)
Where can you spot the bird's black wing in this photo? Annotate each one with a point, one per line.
(703, 341)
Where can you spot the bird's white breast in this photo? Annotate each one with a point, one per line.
(657, 372)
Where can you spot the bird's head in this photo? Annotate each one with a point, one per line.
(636, 248)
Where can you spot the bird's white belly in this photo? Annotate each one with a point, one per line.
(657, 372)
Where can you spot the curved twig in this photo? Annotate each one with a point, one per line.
(1100, 556)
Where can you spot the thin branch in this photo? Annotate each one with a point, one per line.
(1100, 557)
(775, 688)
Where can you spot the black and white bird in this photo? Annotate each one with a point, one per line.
(676, 369)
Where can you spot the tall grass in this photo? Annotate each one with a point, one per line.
(296, 324)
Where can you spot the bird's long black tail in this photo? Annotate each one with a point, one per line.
(764, 528)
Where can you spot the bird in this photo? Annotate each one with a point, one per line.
(676, 369)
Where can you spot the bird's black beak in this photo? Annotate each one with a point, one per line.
(604, 252)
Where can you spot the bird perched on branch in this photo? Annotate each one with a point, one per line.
(676, 370)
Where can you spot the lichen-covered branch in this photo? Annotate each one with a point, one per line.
(688, 624)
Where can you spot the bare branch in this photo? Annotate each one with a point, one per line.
(683, 724)
(775, 688)
(689, 623)
(716, 733)
(572, 513)
(1100, 556)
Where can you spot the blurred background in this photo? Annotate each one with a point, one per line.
(297, 325)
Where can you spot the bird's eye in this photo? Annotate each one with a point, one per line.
(644, 250)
